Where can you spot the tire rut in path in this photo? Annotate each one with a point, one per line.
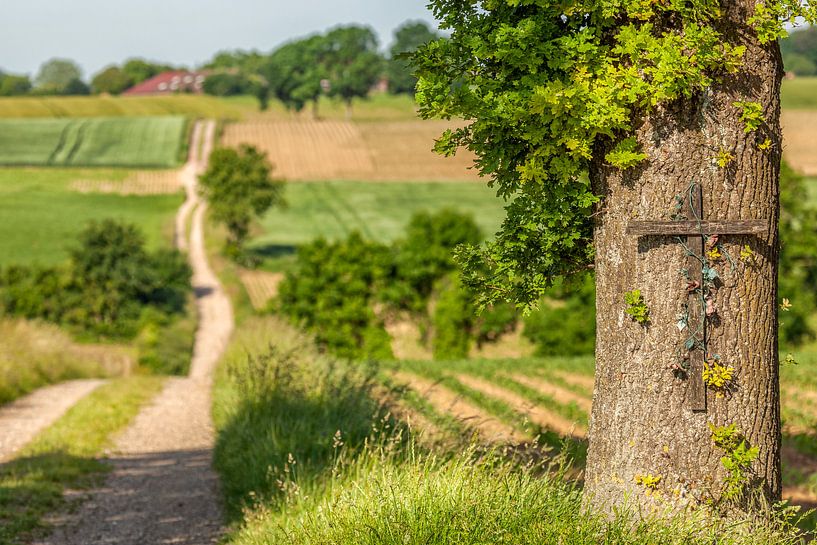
(22, 420)
(162, 488)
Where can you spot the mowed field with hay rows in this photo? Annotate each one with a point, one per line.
(341, 150)
(126, 142)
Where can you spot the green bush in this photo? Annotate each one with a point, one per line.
(452, 320)
(425, 254)
(797, 275)
(104, 288)
(565, 322)
(335, 287)
(332, 290)
(165, 342)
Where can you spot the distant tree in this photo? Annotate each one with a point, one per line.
(226, 84)
(407, 38)
(56, 75)
(246, 62)
(111, 80)
(139, 70)
(799, 64)
(352, 62)
(11, 85)
(76, 87)
(238, 186)
(295, 71)
(799, 51)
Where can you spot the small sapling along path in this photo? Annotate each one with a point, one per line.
(162, 488)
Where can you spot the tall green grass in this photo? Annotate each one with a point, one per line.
(34, 354)
(282, 409)
(307, 456)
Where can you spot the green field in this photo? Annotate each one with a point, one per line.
(377, 108)
(799, 94)
(142, 142)
(41, 216)
(109, 106)
(379, 211)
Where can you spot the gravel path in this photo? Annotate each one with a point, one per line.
(23, 419)
(162, 488)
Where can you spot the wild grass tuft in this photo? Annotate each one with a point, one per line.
(282, 409)
(34, 354)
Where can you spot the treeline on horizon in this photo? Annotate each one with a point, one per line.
(345, 62)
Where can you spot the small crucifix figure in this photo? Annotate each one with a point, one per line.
(696, 232)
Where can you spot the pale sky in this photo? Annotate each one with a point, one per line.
(96, 33)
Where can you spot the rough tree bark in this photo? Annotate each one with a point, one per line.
(640, 423)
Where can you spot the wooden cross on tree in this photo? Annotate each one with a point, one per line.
(696, 230)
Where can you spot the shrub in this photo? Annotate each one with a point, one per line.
(104, 288)
(335, 287)
(565, 323)
(165, 342)
(425, 254)
(332, 290)
(452, 320)
(797, 274)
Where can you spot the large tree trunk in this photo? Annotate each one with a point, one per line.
(641, 420)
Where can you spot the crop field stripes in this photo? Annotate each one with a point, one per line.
(305, 150)
(531, 406)
(336, 150)
(583, 383)
(560, 395)
(261, 286)
(472, 415)
(427, 425)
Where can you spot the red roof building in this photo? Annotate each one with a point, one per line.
(167, 83)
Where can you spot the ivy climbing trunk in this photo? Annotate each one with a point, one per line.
(642, 423)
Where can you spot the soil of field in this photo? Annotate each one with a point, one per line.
(800, 140)
(126, 142)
